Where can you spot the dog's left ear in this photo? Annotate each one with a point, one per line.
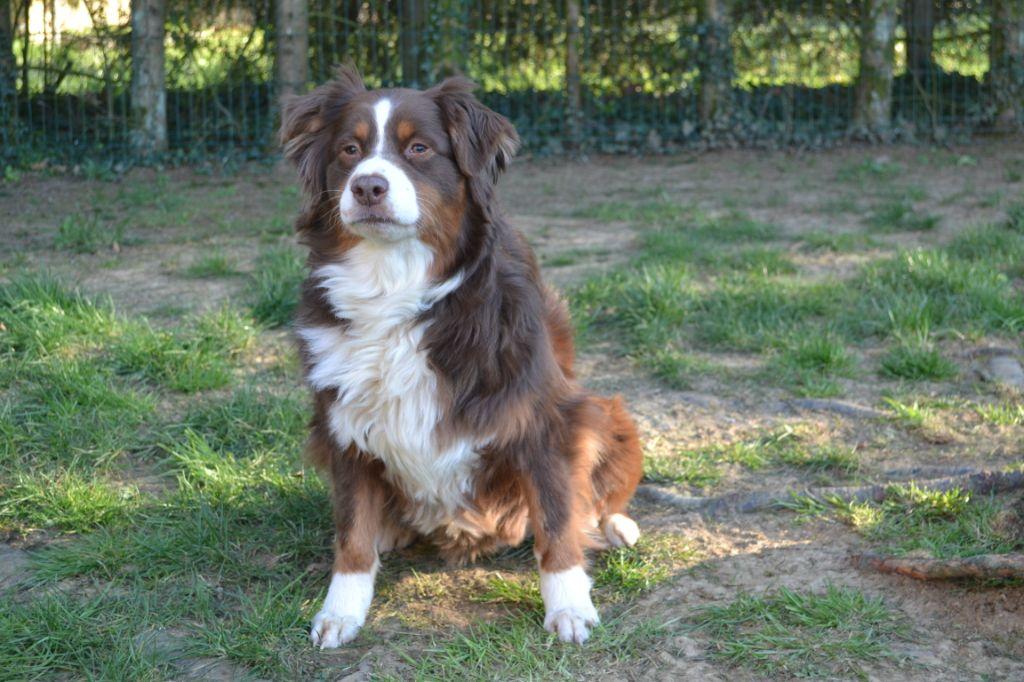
(483, 141)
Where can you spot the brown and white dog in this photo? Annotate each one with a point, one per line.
(445, 405)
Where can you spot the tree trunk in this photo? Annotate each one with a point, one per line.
(872, 112)
(7, 68)
(292, 57)
(919, 19)
(1006, 62)
(414, 13)
(572, 76)
(148, 89)
(714, 100)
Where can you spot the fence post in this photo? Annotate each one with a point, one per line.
(714, 95)
(291, 56)
(148, 88)
(414, 13)
(872, 111)
(1006, 62)
(574, 102)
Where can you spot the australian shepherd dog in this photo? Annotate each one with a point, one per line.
(445, 407)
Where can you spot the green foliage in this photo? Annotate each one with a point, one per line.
(803, 634)
(899, 215)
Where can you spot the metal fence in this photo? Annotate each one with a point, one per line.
(792, 70)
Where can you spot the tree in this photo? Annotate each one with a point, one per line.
(292, 57)
(7, 68)
(413, 16)
(572, 75)
(873, 99)
(919, 21)
(1006, 62)
(148, 87)
(714, 99)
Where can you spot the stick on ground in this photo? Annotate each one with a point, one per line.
(981, 482)
(981, 567)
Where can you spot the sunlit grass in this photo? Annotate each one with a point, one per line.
(797, 633)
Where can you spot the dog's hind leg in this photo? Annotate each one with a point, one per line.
(616, 473)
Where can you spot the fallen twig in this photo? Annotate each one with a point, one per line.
(982, 567)
(980, 482)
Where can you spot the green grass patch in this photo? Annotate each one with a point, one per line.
(54, 634)
(803, 634)
(215, 264)
(944, 524)
(786, 446)
(1002, 414)
(869, 170)
(69, 502)
(86, 233)
(916, 358)
(518, 648)
(899, 215)
(200, 358)
(811, 363)
(275, 284)
(626, 572)
(514, 589)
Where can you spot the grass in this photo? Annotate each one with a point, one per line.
(786, 446)
(917, 359)
(86, 233)
(941, 524)
(69, 502)
(630, 571)
(899, 215)
(275, 285)
(803, 634)
(517, 647)
(1002, 414)
(811, 363)
(216, 264)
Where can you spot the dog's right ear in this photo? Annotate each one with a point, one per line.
(305, 126)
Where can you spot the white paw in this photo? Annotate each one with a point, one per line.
(569, 613)
(572, 625)
(331, 630)
(621, 530)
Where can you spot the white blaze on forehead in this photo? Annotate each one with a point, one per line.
(381, 112)
(400, 203)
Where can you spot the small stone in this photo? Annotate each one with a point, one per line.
(1003, 369)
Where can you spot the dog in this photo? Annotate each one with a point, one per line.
(445, 406)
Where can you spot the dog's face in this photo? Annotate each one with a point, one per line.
(396, 164)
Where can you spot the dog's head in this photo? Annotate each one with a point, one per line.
(396, 164)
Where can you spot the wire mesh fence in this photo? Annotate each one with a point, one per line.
(601, 75)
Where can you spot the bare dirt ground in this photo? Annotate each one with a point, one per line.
(958, 631)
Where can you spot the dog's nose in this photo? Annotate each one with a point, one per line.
(370, 190)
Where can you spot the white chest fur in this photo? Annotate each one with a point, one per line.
(387, 401)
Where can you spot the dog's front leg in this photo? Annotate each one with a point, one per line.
(564, 584)
(359, 499)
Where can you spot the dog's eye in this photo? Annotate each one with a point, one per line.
(417, 148)
(350, 150)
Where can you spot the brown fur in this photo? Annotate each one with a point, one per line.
(559, 460)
